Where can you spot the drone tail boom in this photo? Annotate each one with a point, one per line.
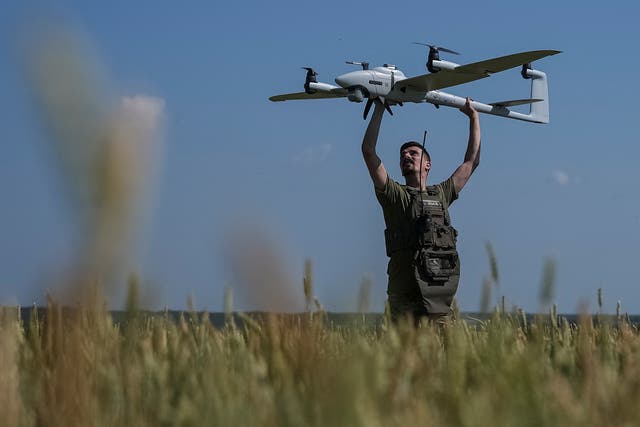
(539, 101)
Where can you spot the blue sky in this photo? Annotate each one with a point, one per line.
(291, 174)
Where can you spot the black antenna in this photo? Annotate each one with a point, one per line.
(424, 140)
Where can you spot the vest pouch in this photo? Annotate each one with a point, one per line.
(436, 267)
(438, 277)
(444, 237)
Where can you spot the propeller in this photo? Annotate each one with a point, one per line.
(310, 72)
(434, 55)
(433, 47)
(370, 102)
(367, 108)
(365, 65)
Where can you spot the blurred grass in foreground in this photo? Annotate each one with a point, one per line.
(80, 368)
(105, 147)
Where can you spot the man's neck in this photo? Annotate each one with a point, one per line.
(414, 181)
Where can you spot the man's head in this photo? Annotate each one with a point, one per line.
(411, 153)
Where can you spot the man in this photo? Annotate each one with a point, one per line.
(424, 267)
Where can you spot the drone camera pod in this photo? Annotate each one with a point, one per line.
(356, 95)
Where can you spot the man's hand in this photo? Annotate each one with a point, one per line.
(469, 110)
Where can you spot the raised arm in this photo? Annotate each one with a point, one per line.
(472, 156)
(374, 164)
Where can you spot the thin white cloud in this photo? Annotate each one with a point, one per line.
(560, 177)
(144, 113)
(137, 132)
(312, 155)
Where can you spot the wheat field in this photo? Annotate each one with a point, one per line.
(77, 367)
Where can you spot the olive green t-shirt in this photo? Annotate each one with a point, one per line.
(396, 203)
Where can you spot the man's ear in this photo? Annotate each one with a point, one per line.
(427, 165)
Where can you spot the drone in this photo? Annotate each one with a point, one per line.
(390, 86)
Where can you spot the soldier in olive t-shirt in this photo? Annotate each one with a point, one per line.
(404, 288)
(422, 276)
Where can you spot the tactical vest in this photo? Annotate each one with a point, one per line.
(428, 234)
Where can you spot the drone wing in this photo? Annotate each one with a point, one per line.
(304, 95)
(502, 63)
(439, 80)
(474, 71)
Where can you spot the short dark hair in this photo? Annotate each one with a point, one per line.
(414, 144)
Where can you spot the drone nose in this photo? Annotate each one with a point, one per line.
(346, 80)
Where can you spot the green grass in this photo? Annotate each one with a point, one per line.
(79, 368)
